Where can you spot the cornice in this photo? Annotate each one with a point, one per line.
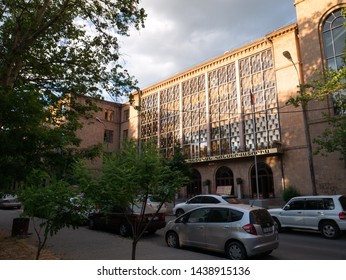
(226, 58)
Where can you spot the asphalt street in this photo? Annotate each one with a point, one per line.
(86, 244)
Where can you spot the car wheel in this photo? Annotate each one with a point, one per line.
(124, 229)
(236, 251)
(172, 240)
(278, 224)
(329, 230)
(179, 212)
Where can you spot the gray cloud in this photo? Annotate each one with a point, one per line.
(180, 34)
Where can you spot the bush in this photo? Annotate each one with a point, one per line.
(289, 193)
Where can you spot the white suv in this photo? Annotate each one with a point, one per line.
(326, 213)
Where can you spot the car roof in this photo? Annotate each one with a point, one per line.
(242, 207)
(214, 195)
(319, 196)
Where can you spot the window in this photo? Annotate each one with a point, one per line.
(199, 216)
(126, 115)
(296, 205)
(196, 200)
(219, 216)
(109, 115)
(209, 199)
(235, 215)
(108, 136)
(334, 35)
(125, 134)
(315, 204)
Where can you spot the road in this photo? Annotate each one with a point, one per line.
(85, 244)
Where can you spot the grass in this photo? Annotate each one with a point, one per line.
(14, 248)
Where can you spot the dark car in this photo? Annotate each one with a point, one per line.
(119, 220)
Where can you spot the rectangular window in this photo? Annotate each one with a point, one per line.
(108, 136)
(109, 115)
(126, 115)
(125, 134)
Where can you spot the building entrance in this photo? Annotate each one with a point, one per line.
(224, 177)
(265, 181)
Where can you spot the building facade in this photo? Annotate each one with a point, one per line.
(230, 112)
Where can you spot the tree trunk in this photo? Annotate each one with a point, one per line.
(134, 247)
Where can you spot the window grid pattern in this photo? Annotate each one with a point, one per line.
(223, 108)
(257, 77)
(230, 127)
(149, 117)
(195, 132)
(169, 120)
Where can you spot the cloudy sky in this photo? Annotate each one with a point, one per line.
(180, 34)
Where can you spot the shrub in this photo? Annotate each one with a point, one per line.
(290, 192)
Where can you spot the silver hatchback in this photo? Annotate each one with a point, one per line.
(240, 231)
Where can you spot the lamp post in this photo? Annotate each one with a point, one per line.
(288, 56)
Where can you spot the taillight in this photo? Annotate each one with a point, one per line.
(342, 216)
(250, 228)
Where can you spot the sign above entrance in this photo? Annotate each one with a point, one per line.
(270, 151)
(224, 190)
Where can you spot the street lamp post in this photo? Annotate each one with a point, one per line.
(288, 56)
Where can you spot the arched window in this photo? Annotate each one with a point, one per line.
(224, 177)
(265, 181)
(334, 35)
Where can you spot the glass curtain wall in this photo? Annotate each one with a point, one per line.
(211, 114)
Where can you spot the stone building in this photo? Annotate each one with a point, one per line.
(209, 111)
(230, 112)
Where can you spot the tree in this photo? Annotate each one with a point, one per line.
(51, 207)
(127, 174)
(51, 51)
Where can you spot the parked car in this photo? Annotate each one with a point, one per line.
(120, 219)
(203, 200)
(10, 201)
(325, 213)
(153, 203)
(240, 231)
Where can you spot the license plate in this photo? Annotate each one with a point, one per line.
(267, 230)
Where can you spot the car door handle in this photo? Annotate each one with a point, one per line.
(299, 212)
(226, 227)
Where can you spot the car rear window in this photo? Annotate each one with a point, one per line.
(261, 217)
(342, 200)
(231, 200)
